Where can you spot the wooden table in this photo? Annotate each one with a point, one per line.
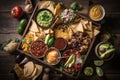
(111, 23)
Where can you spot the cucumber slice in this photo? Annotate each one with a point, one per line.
(47, 38)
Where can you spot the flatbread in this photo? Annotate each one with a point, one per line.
(39, 71)
(28, 68)
(34, 73)
(18, 70)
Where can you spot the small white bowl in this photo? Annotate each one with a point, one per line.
(103, 14)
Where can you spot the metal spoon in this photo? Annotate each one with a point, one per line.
(60, 57)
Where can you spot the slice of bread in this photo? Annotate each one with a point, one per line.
(28, 68)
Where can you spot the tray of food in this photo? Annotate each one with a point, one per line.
(59, 38)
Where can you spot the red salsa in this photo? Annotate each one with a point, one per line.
(60, 43)
(38, 48)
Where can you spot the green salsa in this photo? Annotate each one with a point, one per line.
(44, 18)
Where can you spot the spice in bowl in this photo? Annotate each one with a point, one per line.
(38, 48)
(60, 43)
(52, 56)
(97, 12)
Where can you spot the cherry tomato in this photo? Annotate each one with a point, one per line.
(78, 66)
(17, 12)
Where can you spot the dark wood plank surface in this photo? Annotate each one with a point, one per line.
(8, 29)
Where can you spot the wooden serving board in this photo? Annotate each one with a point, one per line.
(41, 61)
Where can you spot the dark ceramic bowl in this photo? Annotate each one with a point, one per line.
(106, 58)
(60, 44)
(49, 24)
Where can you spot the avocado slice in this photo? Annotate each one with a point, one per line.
(107, 52)
(71, 60)
(105, 45)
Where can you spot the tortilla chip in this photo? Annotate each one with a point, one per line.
(43, 4)
(96, 32)
(84, 24)
(46, 4)
(51, 8)
(33, 27)
(57, 9)
(79, 27)
(90, 34)
(89, 26)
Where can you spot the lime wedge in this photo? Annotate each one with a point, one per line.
(98, 62)
(88, 71)
(99, 71)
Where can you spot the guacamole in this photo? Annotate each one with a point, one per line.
(44, 18)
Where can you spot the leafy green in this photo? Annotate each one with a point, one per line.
(23, 40)
(83, 57)
(5, 43)
(16, 40)
(61, 68)
(76, 6)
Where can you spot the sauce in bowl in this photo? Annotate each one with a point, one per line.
(52, 55)
(97, 12)
(38, 48)
(60, 43)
